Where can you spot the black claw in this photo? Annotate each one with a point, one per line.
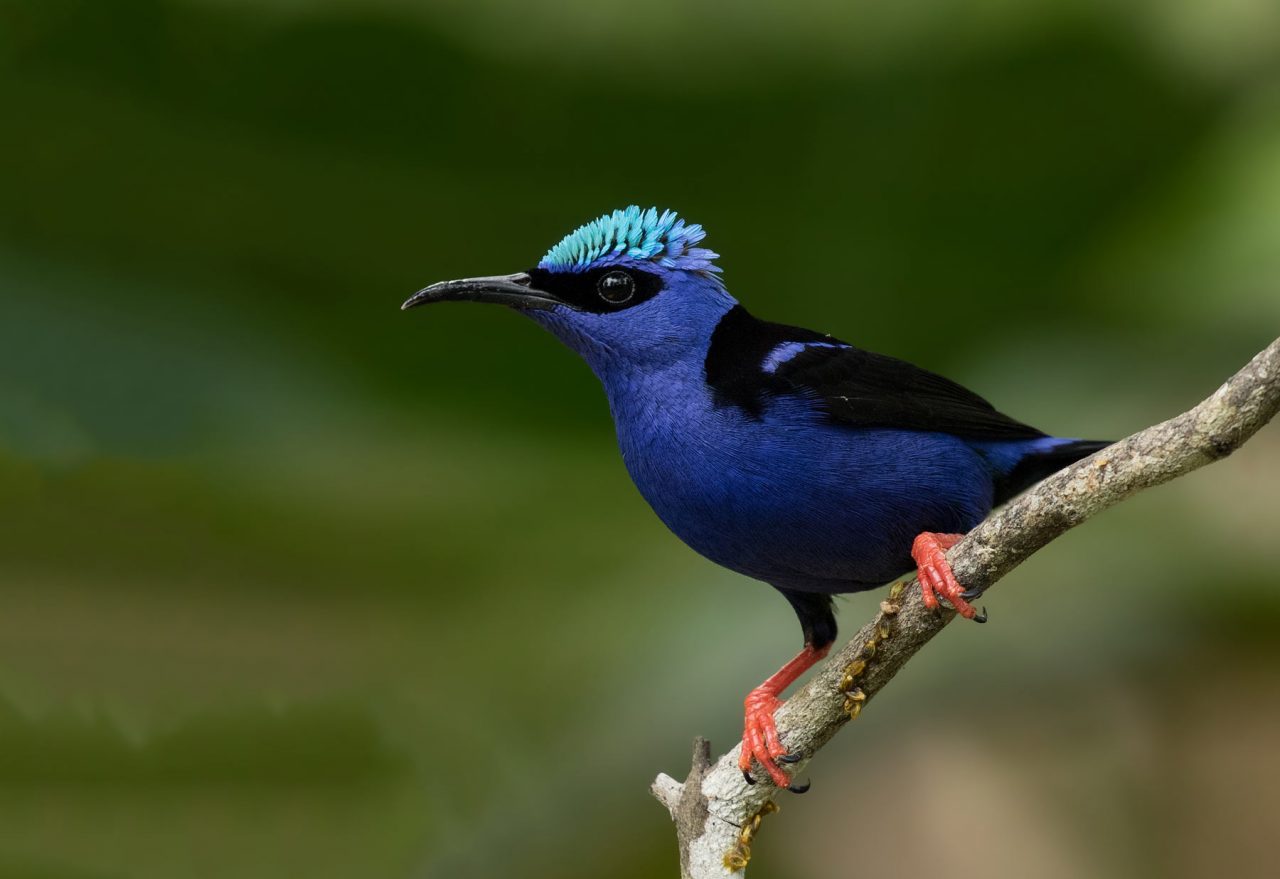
(981, 616)
(790, 758)
(746, 776)
(971, 594)
(799, 788)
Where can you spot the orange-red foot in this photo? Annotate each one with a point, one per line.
(760, 737)
(936, 579)
(760, 740)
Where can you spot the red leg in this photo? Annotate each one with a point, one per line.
(934, 572)
(759, 733)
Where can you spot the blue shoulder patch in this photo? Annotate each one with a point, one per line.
(788, 350)
(632, 234)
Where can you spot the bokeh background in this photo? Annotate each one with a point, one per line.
(295, 584)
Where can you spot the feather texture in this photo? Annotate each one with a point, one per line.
(782, 453)
(636, 235)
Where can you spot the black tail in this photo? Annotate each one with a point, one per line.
(1039, 464)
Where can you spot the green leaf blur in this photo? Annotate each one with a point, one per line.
(298, 585)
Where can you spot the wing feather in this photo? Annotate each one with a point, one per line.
(864, 389)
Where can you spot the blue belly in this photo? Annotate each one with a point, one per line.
(796, 501)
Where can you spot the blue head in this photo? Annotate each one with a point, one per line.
(632, 289)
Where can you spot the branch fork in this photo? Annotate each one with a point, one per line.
(717, 815)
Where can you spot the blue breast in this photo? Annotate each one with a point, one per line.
(788, 497)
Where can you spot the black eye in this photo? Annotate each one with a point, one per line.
(616, 287)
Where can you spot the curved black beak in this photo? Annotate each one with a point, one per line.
(513, 290)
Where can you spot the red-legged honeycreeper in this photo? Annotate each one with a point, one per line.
(778, 452)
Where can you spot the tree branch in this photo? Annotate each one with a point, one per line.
(716, 813)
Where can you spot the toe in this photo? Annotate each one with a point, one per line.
(761, 744)
(773, 745)
(953, 594)
(757, 752)
(780, 778)
(926, 588)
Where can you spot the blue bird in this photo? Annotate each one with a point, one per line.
(778, 452)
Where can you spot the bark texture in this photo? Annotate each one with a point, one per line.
(716, 813)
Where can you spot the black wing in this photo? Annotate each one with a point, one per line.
(865, 389)
(855, 387)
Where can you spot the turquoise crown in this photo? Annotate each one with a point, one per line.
(632, 234)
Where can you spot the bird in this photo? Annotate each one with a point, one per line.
(783, 454)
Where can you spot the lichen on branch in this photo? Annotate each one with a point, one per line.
(713, 805)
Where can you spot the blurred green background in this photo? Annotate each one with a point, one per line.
(295, 584)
